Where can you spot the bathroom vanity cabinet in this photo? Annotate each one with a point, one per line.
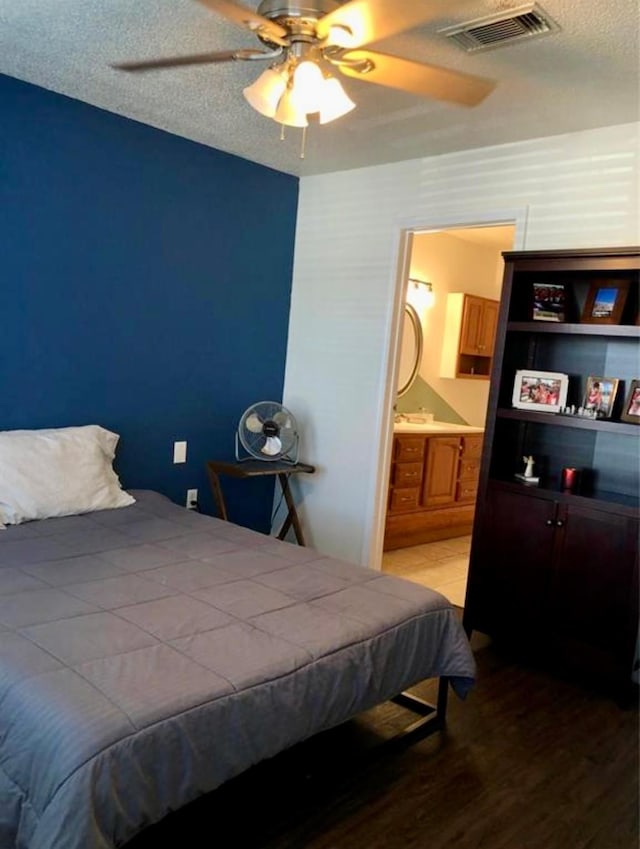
(432, 486)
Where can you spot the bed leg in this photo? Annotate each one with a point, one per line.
(443, 694)
(433, 717)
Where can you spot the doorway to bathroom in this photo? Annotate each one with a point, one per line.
(453, 286)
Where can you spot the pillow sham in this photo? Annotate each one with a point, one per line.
(58, 472)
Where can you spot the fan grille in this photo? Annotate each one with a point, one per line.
(272, 434)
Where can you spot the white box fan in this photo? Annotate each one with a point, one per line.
(268, 431)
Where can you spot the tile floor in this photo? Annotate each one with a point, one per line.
(441, 566)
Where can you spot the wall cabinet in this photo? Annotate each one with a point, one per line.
(470, 330)
(432, 488)
(553, 571)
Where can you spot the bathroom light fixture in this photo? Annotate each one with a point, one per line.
(420, 293)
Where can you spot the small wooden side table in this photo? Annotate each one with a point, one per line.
(254, 469)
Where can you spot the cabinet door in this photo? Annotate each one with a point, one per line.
(594, 595)
(510, 566)
(487, 329)
(441, 470)
(471, 328)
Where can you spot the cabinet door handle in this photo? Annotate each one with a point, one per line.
(549, 523)
(559, 523)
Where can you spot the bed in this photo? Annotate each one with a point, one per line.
(150, 653)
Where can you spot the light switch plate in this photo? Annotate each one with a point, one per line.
(179, 452)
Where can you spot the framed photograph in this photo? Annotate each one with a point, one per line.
(600, 395)
(631, 411)
(544, 391)
(605, 302)
(549, 302)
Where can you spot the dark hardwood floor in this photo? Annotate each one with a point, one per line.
(528, 761)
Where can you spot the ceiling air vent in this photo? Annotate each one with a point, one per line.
(506, 27)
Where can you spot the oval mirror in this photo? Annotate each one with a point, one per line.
(411, 350)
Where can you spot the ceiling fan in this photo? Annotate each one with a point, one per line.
(307, 39)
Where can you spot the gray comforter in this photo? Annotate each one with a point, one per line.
(149, 653)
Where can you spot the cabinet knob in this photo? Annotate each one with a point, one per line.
(549, 523)
(559, 523)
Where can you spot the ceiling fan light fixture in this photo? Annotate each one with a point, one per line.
(266, 92)
(306, 37)
(290, 111)
(335, 101)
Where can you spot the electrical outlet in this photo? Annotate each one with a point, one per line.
(192, 499)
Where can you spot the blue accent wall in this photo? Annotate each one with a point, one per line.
(145, 284)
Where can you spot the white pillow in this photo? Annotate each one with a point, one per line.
(58, 472)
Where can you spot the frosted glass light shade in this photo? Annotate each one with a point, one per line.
(308, 86)
(290, 112)
(335, 101)
(265, 93)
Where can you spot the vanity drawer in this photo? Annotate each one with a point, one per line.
(407, 474)
(469, 469)
(403, 500)
(409, 448)
(467, 490)
(472, 446)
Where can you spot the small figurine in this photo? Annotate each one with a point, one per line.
(528, 469)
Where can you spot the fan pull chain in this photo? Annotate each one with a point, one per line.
(304, 139)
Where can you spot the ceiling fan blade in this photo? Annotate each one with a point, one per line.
(246, 18)
(194, 59)
(365, 21)
(417, 77)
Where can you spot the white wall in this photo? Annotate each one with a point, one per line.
(578, 190)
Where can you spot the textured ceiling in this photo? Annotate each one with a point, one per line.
(583, 77)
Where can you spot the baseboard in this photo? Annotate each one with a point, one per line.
(404, 537)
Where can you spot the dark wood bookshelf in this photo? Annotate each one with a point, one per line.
(541, 556)
(562, 420)
(630, 331)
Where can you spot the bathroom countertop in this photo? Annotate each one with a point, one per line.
(434, 428)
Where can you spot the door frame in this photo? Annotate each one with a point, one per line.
(377, 511)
